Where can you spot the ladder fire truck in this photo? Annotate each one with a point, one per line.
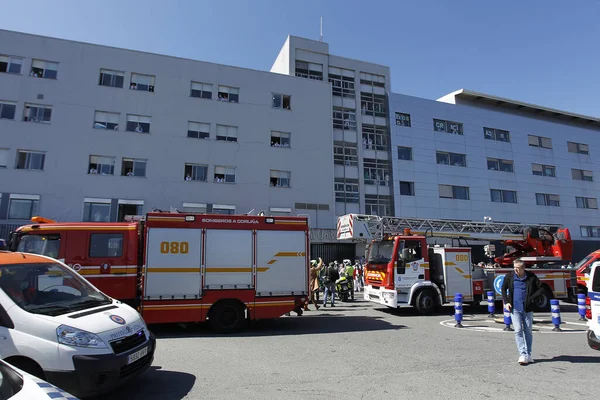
(178, 268)
(402, 269)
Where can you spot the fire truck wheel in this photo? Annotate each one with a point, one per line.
(542, 303)
(425, 302)
(227, 317)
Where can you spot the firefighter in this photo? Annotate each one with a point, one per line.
(349, 274)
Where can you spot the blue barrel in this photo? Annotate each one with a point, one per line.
(555, 310)
(581, 306)
(507, 319)
(491, 306)
(458, 310)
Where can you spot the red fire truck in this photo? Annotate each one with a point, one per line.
(185, 268)
(403, 270)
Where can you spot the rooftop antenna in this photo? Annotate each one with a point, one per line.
(321, 38)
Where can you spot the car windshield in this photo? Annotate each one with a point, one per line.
(48, 288)
(10, 382)
(46, 245)
(381, 252)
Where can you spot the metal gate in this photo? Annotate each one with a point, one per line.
(333, 251)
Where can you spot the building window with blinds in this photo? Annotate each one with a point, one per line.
(44, 69)
(101, 165)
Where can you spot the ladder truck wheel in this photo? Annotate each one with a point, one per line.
(425, 302)
(227, 317)
(542, 303)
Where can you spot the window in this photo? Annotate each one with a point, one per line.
(372, 79)
(201, 90)
(138, 123)
(145, 83)
(582, 175)
(4, 158)
(37, 113)
(44, 69)
(578, 148)
(539, 141)
(280, 139)
(342, 82)
(280, 178)
(106, 245)
(32, 160)
(496, 134)
(455, 159)
(10, 64)
(543, 170)
(346, 190)
(223, 209)
(311, 206)
(586, 202)
(590, 231)
(372, 104)
(7, 110)
(407, 188)
(96, 210)
(402, 119)
(196, 172)
(503, 196)
(345, 153)
(544, 199)
(224, 174)
(378, 205)
(496, 164)
(227, 133)
(194, 208)
(106, 120)
(281, 101)
(23, 206)
(133, 167)
(405, 153)
(454, 192)
(448, 126)
(309, 70)
(280, 211)
(129, 208)
(374, 137)
(111, 78)
(229, 94)
(344, 119)
(198, 130)
(101, 165)
(376, 172)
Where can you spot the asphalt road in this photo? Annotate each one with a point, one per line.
(361, 351)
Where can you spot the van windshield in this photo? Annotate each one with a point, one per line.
(381, 252)
(46, 245)
(583, 262)
(48, 288)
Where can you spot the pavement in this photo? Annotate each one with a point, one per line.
(359, 350)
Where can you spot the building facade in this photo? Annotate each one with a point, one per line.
(469, 155)
(94, 133)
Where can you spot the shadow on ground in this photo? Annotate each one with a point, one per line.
(571, 359)
(155, 383)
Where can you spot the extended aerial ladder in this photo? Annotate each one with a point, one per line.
(540, 243)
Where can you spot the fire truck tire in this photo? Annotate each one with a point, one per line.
(542, 303)
(227, 316)
(425, 302)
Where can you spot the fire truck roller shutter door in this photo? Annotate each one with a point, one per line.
(281, 262)
(173, 262)
(457, 272)
(228, 260)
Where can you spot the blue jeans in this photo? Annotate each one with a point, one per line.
(523, 322)
(329, 289)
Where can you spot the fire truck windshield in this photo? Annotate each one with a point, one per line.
(46, 245)
(381, 252)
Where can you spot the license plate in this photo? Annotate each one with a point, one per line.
(137, 355)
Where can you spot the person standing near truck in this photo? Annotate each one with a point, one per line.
(519, 291)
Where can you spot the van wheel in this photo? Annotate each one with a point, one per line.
(27, 365)
(227, 317)
(425, 302)
(542, 303)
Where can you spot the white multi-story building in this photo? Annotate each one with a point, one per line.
(93, 133)
(470, 155)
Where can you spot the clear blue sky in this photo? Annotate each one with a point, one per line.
(538, 51)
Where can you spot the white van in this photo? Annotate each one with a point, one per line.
(57, 326)
(594, 299)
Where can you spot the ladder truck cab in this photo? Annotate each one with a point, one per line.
(402, 269)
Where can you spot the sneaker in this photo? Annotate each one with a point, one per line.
(530, 359)
(522, 360)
